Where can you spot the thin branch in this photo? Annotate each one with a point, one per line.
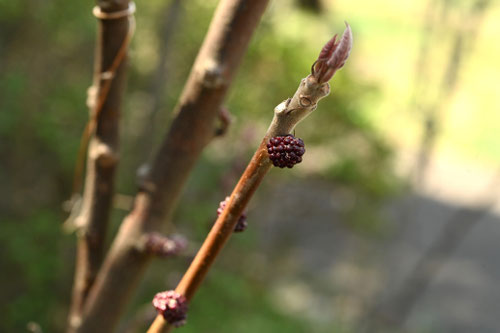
(115, 30)
(463, 42)
(286, 116)
(191, 130)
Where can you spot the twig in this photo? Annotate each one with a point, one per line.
(286, 116)
(463, 41)
(191, 130)
(115, 31)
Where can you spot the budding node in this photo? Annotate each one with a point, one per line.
(332, 56)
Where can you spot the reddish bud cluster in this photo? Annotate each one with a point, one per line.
(285, 151)
(241, 225)
(172, 306)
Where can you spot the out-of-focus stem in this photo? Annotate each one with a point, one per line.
(114, 35)
(191, 130)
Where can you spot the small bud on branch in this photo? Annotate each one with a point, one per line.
(162, 246)
(172, 306)
(225, 120)
(332, 56)
(242, 224)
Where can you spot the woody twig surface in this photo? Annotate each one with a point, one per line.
(191, 130)
(286, 116)
(114, 34)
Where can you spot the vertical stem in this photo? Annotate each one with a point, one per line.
(191, 130)
(102, 156)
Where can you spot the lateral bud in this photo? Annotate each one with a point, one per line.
(225, 119)
(156, 244)
(212, 74)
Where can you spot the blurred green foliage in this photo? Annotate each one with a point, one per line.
(46, 60)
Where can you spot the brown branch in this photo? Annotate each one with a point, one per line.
(115, 30)
(286, 116)
(191, 130)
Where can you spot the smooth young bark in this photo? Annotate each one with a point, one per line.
(191, 130)
(102, 156)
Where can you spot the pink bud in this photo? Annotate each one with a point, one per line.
(333, 56)
(172, 306)
(327, 50)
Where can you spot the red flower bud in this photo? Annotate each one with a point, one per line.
(333, 56)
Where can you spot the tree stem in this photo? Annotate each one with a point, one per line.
(191, 130)
(102, 157)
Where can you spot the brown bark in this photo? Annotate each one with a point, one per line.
(191, 130)
(102, 156)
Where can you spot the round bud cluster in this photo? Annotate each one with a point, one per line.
(285, 151)
(241, 225)
(172, 306)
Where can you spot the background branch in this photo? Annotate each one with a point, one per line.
(462, 44)
(102, 157)
(191, 130)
